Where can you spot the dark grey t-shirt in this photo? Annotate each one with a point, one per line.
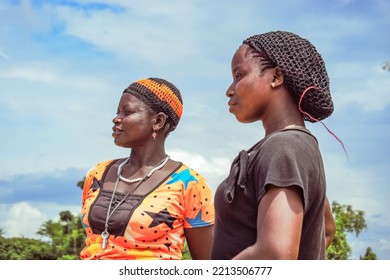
(284, 158)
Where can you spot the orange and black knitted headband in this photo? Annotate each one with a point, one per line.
(161, 96)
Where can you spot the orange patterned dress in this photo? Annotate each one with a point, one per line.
(154, 224)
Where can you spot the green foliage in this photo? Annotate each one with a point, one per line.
(19, 248)
(369, 255)
(186, 252)
(339, 249)
(80, 183)
(347, 221)
(66, 239)
(350, 220)
(67, 236)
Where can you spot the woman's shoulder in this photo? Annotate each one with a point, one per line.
(296, 141)
(290, 135)
(101, 166)
(187, 168)
(188, 173)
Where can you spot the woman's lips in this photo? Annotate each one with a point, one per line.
(116, 131)
(231, 106)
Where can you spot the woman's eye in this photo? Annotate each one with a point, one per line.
(127, 111)
(124, 112)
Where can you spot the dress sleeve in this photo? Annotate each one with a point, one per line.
(94, 174)
(199, 203)
(286, 160)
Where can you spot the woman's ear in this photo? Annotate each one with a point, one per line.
(159, 121)
(278, 78)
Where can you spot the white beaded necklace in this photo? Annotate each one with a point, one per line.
(105, 234)
(135, 180)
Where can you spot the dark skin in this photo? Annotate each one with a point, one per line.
(262, 95)
(330, 226)
(133, 127)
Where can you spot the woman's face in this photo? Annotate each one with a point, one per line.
(133, 124)
(250, 89)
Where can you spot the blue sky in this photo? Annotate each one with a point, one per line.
(64, 65)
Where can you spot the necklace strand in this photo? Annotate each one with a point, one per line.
(105, 234)
(135, 180)
(130, 181)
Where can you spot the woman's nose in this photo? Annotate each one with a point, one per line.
(230, 91)
(116, 119)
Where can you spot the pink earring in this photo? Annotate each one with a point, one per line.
(154, 134)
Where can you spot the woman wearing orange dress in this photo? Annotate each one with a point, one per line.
(145, 206)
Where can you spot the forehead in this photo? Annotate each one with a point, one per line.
(128, 99)
(242, 55)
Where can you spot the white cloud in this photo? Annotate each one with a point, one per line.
(212, 168)
(23, 219)
(361, 187)
(20, 220)
(216, 166)
(30, 73)
(136, 32)
(51, 73)
(369, 92)
(365, 189)
(384, 244)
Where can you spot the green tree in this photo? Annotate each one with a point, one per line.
(186, 252)
(66, 239)
(369, 255)
(80, 183)
(347, 221)
(20, 248)
(66, 236)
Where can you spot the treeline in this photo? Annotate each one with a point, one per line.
(64, 239)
